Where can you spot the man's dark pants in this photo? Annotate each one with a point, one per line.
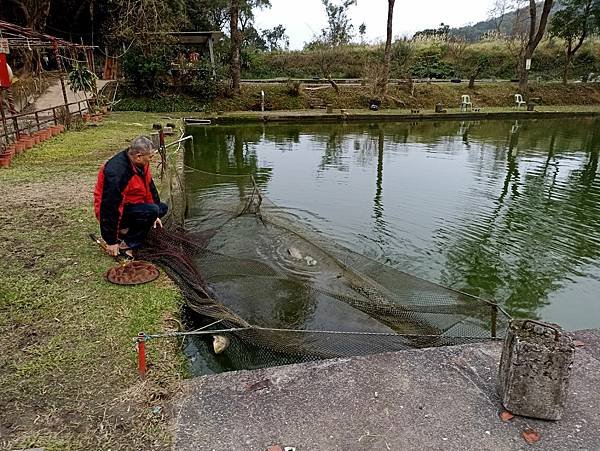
(139, 218)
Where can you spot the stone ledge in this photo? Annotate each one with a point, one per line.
(310, 116)
(439, 398)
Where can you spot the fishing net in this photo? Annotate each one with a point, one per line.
(285, 293)
(132, 273)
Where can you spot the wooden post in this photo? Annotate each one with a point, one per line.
(13, 112)
(212, 56)
(4, 124)
(91, 53)
(89, 65)
(105, 74)
(37, 120)
(62, 81)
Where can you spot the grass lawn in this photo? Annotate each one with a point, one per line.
(68, 376)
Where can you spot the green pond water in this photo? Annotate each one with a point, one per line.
(505, 210)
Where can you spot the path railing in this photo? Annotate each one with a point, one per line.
(17, 125)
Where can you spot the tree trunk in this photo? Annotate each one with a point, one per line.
(523, 74)
(333, 83)
(474, 76)
(388, 49)
(535, 36)
(567, 69)
(236, 45)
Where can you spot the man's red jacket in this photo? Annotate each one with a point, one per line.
(119, 183)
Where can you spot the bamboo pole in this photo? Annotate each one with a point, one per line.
(62, 81)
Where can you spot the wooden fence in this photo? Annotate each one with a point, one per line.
(14, 126)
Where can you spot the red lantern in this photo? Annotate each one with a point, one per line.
(5, 72)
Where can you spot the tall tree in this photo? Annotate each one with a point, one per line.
(339, 29)
(574, 24)
(526, 30)
(140, 20)
(467, 61)
(236, 44)
(276, 38)
(531, 39)
(362, 31)
(207, 15)
(388, 48)
(31, 13)
(241, 16)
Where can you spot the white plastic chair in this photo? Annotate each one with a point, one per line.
(519, 101)
(465, 103)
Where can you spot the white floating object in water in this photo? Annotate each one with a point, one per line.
(295, 253)
(310, 261)
(220, 343)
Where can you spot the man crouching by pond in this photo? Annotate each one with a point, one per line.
(126, 201)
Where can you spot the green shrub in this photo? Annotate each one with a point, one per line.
(204, 85)
(430, 64)
(147, 71)
(161, 103)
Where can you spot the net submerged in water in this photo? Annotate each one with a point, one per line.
(293, 295)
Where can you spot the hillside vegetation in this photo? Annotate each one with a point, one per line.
(420, 59)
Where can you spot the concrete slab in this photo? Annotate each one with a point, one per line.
(443, 398)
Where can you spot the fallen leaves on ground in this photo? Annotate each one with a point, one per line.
(531, 435)
(505, 416)
(266, 383)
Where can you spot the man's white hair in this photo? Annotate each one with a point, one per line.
(141, 144)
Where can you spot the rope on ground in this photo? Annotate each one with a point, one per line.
(205, 331)
(191, 168)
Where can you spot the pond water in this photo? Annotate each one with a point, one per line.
(505, 210)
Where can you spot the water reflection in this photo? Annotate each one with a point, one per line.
(503, 209)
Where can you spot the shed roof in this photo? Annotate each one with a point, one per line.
(195, 37)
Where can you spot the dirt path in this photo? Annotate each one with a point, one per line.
(54, 96)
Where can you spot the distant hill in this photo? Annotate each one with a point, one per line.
(504, 24)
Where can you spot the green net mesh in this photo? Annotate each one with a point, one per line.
(291, 294)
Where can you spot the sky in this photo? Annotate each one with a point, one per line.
(305, 18)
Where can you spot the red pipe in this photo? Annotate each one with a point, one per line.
(141, 348)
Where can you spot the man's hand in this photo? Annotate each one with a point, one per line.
(112, 249)
(158, 223)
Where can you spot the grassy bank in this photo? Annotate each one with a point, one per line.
(424, 96)
(68, 375)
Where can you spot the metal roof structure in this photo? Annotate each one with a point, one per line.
(195, 37)
(21, 37)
